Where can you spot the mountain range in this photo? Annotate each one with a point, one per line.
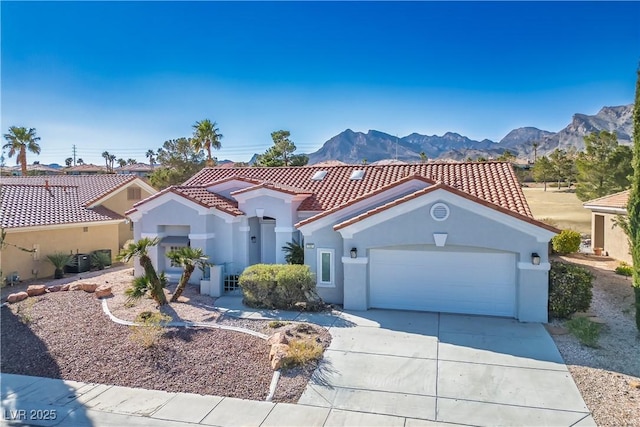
(354, 147)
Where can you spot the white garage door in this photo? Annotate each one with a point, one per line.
(453, 282)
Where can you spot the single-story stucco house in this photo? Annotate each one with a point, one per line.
(64, 213)
(444, 237)
(604, 233)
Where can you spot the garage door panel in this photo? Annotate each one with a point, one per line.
(457, 282)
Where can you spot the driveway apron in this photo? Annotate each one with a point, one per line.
(446, 368)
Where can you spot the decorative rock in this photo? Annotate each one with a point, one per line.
(17, 297)
(89, 287)
(75, 286)
(184, 300)
(35, 290)
(278, 355)
(64, 287)
(103, 291)
(278, 338)
(55, 288)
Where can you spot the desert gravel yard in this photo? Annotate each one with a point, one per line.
(608, 376)
(67, 335)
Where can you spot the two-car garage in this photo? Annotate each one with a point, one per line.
(454, 280)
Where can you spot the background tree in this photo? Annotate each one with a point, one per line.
(80, 162)
(604, 167)
(543, 171)
(151, 155)
(68, 161)
(178, 162)
(106, 156)
(131, 161)
(633, 208)
(507, 156)
(562, 165)
(535, 146)
(206, 136)
(20, 140)
(281, 153)
(122, 162)
(423, 157)
(112, 159)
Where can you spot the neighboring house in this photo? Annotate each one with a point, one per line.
(138, 169)
(87, 169)
(77, 214)
(35, 169)
(444, 237)
(604, 233)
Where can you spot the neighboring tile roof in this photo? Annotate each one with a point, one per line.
(493, 182)
(616, 201)
(85, 168)
(25, 205)
(49, 200)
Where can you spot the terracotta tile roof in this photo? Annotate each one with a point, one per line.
(617, 200)
(492, 182)
(208, 199)
(27, 205)
(85, 168)
(274, 186)
(432, 188)
(49, 200)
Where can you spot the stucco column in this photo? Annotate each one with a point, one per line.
(533, 292)
(243, 243)
(356, 292)
(284, 235)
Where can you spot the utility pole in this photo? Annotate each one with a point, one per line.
(74, 154)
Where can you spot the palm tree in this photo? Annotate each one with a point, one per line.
(112, 159)
(188, 258)
(19, 140)
(151, 155)
(105, 156)
(122, 162)
(80, 162)
(131, 161)
(140, 249)
(535, 151)
(68, 161)
(206, 136)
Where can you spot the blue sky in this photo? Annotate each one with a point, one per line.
(125, 76)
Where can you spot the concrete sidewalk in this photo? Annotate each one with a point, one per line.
(383, 368)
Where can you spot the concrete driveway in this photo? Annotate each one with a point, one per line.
(439, 368)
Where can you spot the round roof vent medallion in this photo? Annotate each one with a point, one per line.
(439, 211)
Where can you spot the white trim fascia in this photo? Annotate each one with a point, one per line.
(375, 201)
(542, 235)
(202, 236)
(111, 194)
(59, 226)
(543, 266)
(227, 185)
(170, 196)
(134, 216)
(244, 228)
(284, 229)
(262, 191)
(360, 260)
(601, 209)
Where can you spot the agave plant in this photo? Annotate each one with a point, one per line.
(60, 260)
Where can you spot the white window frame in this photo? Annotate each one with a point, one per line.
(332, 268)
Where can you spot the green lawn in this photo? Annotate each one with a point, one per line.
(561, 206)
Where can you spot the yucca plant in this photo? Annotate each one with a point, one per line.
(60, 260)
(140, 250)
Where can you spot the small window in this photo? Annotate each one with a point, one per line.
(85, 229)
(134, 193)
(439, 211)
(319, 176)
(325, 267)
(357, 175)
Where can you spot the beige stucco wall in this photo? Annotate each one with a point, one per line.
(616, 243)
(69, 239)
(119, 203)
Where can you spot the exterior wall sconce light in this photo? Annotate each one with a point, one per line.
(354, 253)
(253, 239)
(535, 258)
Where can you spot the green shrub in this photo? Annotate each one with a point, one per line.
(585, 330)
(280, 286)
(149, 328)
(624, 269)
(568, 241)
(100, 260)
(569, 289)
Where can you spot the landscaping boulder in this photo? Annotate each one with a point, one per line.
(89, 287)
(13, 298)
(278, 355)
(65, 287)
(278, 338)
(35, 290)
(75, 287)
(103, 291)
(54, 288)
